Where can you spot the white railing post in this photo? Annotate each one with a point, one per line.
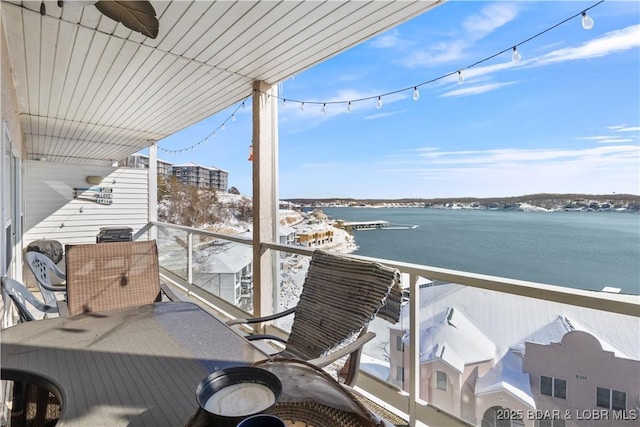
(190, 257)
(414, 348)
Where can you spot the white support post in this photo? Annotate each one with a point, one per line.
(265, 206)
(153, 188)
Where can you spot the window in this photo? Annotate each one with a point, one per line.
(611, 399)
(548, 422)
(553, 387)
(399, 344)
(441, 380)
(399, 373)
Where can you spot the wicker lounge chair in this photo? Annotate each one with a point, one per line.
(339, 298)
(20, 296)
(42, 268)
(105, 276)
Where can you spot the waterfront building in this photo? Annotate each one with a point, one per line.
(141, 161)
(314, 237)
(201, 176)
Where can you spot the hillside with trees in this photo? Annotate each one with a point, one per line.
(200, 208)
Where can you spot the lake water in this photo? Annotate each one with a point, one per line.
(586, 250)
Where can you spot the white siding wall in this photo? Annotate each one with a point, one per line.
(51, 212)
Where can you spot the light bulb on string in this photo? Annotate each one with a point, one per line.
(515, 55)
(460, 77)
(379, 103)
(587, 21)
(349, 107)
(416, 94)
(243, 106)
(302, 106)
(283, 102)
(324, 108)
(223, 127)
(233, 117)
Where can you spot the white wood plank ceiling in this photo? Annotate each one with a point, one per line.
(91, 91)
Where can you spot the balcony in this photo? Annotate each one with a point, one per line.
(80, 91)
(470, 349)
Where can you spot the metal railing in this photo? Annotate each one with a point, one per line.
(408, 400)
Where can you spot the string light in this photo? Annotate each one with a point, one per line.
(515, 56)
(587, 24)
(232, 117)
(587, 21)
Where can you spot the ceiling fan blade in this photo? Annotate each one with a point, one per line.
(138, 16)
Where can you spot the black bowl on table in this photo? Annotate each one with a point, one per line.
(224, 378)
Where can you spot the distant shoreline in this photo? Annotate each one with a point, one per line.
(534, 202)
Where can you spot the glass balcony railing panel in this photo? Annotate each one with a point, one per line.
(173, 250)
(224, 268)
(493, 359)
(291, 272)
(387, 356)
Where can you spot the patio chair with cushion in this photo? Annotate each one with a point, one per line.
(104, 276)
(42, 268)
(339, 298)
(20, 296)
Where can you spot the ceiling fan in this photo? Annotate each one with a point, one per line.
(138, 16)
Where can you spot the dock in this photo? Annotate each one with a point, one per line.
(371, 225)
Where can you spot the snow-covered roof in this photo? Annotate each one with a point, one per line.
(507, 320)
(509, 376)
(554, 331)
(231, 258)
(452, 337)
(285, 230)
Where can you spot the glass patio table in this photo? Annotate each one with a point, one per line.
(137, 366)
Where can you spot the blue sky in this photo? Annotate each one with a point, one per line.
(564, 119)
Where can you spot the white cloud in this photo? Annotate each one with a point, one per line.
(614, 140)
(519, 171)
(594, 138)
(475, 90)
(614, 41)
(438, 53)
(384, 115)
(511, 156)
(388, 40)
(490, 18)
(628, 129)
(477, 26)
(608, 139)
